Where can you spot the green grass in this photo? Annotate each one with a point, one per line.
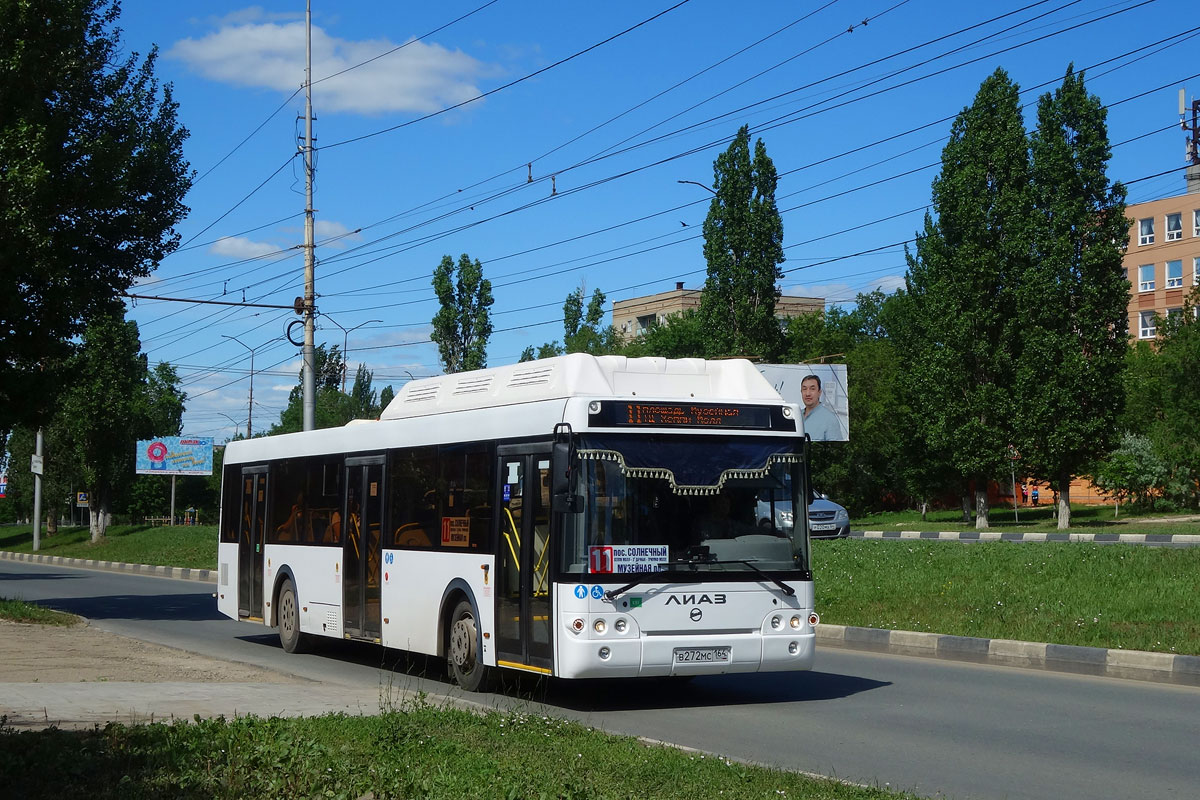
(1116, 596)
(179, 546)
(1084, 519)
(419, 752)
(20, 611)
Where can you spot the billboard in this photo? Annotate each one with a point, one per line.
(175, 455)
(825, 404)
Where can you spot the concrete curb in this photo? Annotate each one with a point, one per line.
(1133, 664)
(1177, 539)
(176, 573)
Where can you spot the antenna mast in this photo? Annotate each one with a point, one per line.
(310, 381)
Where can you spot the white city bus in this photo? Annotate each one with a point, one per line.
(576, 516)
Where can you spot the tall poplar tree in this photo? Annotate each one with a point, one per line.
(463, 324)
(961, 282)
(1072, 303)
(743, 247)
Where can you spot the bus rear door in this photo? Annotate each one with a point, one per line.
(523, 608)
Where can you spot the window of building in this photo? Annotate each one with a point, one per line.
(1174, 313)
(1146, 326)
(1146, 231)
(1196, 222)
(1174, 226)
(1174, 274)
(1146, 278)
(645, 323)
(1196, 271)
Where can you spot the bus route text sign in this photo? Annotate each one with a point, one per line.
(689, 415)
(175, 455)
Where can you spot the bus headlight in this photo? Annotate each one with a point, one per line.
(605, 653)
(795, 622)
(776, 622)
(599, 626)
(793, 648)
(620, 625)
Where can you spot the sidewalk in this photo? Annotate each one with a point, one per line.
(83, 705)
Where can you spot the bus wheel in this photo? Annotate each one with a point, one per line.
(290, 637)
(463, 654)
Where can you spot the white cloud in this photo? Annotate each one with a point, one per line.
(267, 54)
(240, 247)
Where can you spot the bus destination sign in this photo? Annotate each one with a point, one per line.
(687, 415)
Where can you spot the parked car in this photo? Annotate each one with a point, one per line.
(826, 519)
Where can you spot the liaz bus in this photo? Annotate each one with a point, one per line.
(576, 516)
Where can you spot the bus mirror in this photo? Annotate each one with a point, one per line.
(562, 471)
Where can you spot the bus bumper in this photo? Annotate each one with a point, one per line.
(661, 655)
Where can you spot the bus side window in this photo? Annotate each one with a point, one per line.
(412, 499)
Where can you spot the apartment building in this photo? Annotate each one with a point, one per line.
(633, 317)
(1162, 262)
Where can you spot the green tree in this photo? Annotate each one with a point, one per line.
(678, 336)
(386, 395)
(962, 350)
(1072, 298)
(1175, 427)
(92, 179)
(584, 331)
(1133, 472)
(463, 324)
(104, 410)
(743, 248)
(332, 409)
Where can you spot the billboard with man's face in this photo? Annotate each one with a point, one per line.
(820, 390)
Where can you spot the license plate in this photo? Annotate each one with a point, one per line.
(701, 655)
(823, 526)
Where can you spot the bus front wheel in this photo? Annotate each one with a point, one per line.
(463, 653)
(290, 637)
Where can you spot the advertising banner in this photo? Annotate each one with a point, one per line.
(821, 392)
(175, 455)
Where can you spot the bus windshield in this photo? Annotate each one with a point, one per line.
(671, 503)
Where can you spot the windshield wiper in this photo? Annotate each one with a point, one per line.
(612, 594)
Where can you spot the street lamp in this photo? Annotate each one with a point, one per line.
(345, 341)
(701, 185)
(237, 423)
(250, 406)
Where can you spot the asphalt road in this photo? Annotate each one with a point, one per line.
(937, 728)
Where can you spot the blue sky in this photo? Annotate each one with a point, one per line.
(566, 172)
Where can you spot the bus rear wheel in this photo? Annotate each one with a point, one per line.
(290, 637)
(463, 654)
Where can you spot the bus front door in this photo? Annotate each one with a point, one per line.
(252, 531)
(362, 511)
(523, 560)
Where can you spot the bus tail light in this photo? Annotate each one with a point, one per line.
(814, 619)
(577, 625)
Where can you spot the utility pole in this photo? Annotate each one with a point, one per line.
(310, 326)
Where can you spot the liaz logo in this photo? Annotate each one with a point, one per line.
(695, 599)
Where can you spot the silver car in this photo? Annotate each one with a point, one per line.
(826, 519)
